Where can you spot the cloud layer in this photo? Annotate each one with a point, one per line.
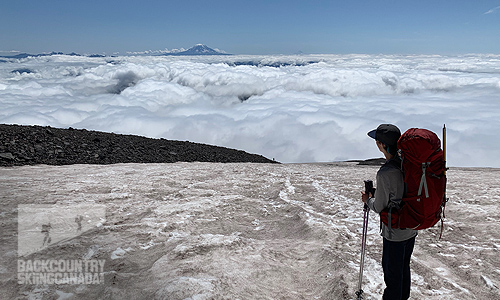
(291, 108)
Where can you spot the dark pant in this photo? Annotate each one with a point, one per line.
(396, 264)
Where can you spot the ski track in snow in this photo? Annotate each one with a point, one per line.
(247, 231)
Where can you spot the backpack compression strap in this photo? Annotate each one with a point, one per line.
(423, 181)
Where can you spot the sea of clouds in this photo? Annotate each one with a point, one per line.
(307, 108)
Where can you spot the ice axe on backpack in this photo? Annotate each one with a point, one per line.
(368, 189)
(444, 147)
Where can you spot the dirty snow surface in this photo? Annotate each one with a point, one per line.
(238, 231)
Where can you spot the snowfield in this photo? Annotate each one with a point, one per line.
(237, 231)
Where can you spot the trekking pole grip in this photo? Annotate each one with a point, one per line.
(369, 190)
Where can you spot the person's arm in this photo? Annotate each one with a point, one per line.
(382, 194)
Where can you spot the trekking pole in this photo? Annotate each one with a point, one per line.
(366, 210)
(444, 173)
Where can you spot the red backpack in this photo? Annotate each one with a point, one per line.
(424, 169)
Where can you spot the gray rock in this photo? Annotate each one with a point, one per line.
(7, 156)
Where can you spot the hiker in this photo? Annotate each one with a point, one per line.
(397, 243)
(46, 232)
(78, 221)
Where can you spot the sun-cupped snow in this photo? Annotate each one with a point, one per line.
(239, 231)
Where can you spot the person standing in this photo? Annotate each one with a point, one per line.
(397, 243)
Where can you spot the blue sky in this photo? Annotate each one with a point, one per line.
(252, 26)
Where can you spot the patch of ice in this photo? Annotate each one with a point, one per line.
(119, 253)
(373, 278)
(417, 279)
(177, 235)
(188, 288)
(447, 255)
(91, 252)
(289, 190)
(147, 245)
(204, 242)
(488, 282)
(100, 223)
(114, 195)
(63, 296)
(257, 225)
(37, 293)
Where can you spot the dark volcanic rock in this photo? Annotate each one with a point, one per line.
(29, 145)
(373, 162)
(370, 162)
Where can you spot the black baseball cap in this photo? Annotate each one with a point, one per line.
(386, 133)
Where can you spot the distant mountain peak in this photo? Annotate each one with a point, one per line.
(200, 49)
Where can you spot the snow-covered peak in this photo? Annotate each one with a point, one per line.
(201, 49)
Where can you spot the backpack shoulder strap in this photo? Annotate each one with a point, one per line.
(396, 163)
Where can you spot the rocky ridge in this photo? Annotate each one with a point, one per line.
(31, 145)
